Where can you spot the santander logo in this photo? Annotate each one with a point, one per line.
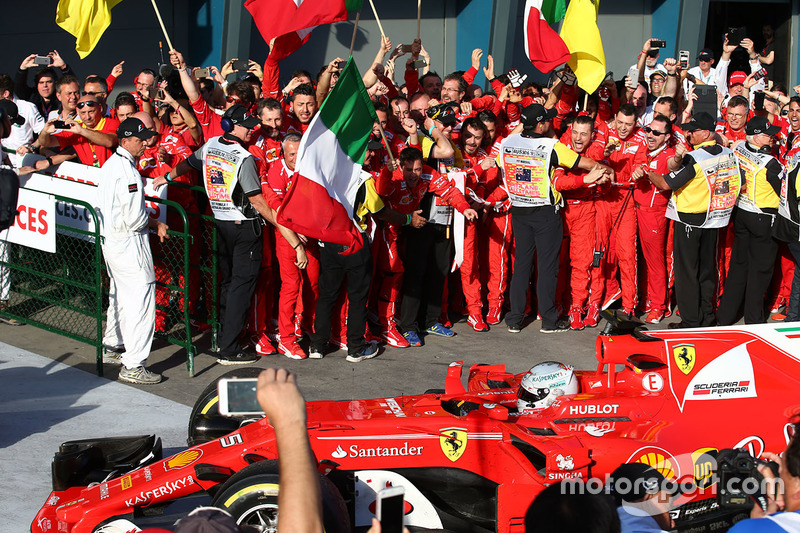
(339, 453)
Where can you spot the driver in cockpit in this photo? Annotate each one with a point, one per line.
(544, 383)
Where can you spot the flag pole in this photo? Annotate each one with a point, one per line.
(386, 143)
(160, 21)
(419, 15)
(585, 100)
(355, 30)
(378, 20)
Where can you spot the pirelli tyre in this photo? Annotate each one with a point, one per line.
(205, 422)
(251, 497)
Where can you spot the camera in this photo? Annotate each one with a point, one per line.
(165, 69)
(60, 125)
(657, 43)
(739, 481)
(43, 60)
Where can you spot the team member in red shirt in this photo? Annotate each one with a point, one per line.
(266, 148)
(578, 188)
(302, 109)
(481, 181)
(93, 138)
(177, 119)
(651, 208)
(299, 288)
(624, 151)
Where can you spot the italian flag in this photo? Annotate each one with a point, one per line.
(320, 203)
(293, 20)
(544, 47)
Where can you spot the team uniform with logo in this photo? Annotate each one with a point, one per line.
(526, 165)
(754, 249)
(704, 192)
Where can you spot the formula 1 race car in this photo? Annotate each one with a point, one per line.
(468, 460)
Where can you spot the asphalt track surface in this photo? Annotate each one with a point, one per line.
(51, 394)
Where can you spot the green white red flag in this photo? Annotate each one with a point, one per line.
(543, 46)
(320, 203)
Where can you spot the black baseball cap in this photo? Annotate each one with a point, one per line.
(706, 54)
(758, 125)
(444, 113)
(536, 114)
(374, 144)
(240, 116)
(631, 482)
(12, 112)
(700, 121)
(133, 127)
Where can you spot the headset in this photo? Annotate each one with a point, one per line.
(226, 124)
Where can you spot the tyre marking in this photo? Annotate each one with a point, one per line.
(209, 405)
(270, 488)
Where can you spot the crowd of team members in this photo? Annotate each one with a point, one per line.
(616, 240)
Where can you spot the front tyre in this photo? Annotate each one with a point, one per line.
(251, 497)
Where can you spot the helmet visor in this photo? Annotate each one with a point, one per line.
(532, 396)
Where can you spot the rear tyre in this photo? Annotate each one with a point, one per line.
(251, 497)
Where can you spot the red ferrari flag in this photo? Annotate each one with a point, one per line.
(543, 46)
(295, 19)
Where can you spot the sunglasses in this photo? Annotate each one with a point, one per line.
(232, 99)
(88, 103)
(92, 93)
(648, 129)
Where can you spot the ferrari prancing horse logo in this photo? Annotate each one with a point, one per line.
(453, 442)
(684, 357)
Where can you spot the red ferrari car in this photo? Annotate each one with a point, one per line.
(467, 459)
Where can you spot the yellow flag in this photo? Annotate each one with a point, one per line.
(86, 20)
(582, 36)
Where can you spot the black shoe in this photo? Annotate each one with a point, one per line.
(560, 327)
(515, 328)
(240, 358)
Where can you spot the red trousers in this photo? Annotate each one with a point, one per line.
(486, 245)
(621, 250)
(388, 279)
(653, 236)
(579, 223)
(299, 288)
(724, 252)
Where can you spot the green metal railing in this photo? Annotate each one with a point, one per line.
(67, 292)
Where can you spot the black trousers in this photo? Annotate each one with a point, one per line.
(536, 230)
(426, 262)
(750, 273)
(334, 268)
(239, 258)
(793, 307)
(695, 263)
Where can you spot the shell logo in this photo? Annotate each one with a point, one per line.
(660, 462)
(183, 459)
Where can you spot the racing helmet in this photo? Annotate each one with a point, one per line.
(544, 383)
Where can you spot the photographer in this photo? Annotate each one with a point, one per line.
(783, 504)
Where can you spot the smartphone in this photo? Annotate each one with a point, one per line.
(419, 63)
(760, 74)
(238, 397)
(683, 59)
(341, 64)
(735, 35)
(60, 125)
(657, 43)
(758, 100)
(391, 509)
(609, 76)
(241, 64)
(42, 60)
(706, 99)
(633, 78)
(406, 48)
(201, 73)
(160, 94)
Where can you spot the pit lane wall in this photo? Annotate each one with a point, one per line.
(52, 271)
